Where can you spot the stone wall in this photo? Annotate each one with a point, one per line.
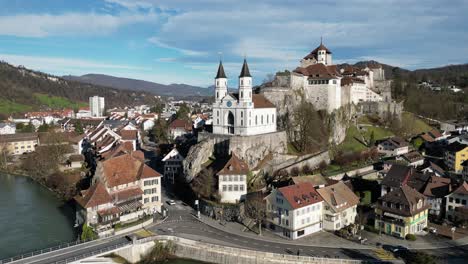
(381, 108)
(288, 162)
(252, 149)
(186, 248)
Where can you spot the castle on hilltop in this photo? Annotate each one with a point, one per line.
(328, 87)
(242, 113)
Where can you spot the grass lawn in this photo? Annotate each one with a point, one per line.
(9, 107)
(57, 102)
(350, 144)
(379, 132)
(418, 125)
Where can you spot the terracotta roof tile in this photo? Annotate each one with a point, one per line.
(96, 195)
(437, 187)
(338, 196)
(129, 134)
(234, 166)
(462, 189)
(260, 101)
(319, 70)
(405, 196)
(300, 195)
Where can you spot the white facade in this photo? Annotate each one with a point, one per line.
(454, 200)
(243, 113)
(96, 106)
(7, 128)
(151, 197)
(232, 188)
(172, 165)
(293, 223)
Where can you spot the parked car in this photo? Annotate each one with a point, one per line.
(395, 249)
(432, 230)
(171, 202)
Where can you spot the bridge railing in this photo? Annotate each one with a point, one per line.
(92, 253)
(43, 251)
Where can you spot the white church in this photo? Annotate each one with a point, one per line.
(242, 113)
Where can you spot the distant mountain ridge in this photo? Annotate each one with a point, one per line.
(176, 90)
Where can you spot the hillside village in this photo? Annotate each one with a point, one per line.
(318, 148)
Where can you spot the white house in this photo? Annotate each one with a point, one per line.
(242, 113)
(294, 211)
(7, 128)
(340, 205)
(456, 207)
(232, 180)
(172, 165)
(394, 146)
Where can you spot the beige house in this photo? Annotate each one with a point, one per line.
(232, 180)
(340, 205)
(17, 144)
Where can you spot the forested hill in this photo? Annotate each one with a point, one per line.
(176, 90)
(25, 90)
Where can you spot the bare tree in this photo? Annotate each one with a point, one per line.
(255, 208)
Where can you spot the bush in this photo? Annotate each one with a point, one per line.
(410, 237)
(88, 233)
(306, 169)
(295, 171)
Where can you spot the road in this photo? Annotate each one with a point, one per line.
(182, 223)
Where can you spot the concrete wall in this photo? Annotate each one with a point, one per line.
(133, 228)
(288, 162)
(223, 255)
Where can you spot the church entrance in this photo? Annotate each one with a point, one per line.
(230, 123)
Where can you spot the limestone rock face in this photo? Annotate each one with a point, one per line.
(198, 154)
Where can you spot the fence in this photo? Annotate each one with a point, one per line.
(42, 251)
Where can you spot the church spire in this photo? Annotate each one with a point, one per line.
(245, 70)
(220, 73)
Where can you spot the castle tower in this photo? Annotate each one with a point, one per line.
(245, 84)
(220, 83)
(323, 54)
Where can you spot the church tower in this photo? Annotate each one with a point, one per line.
(220, 83)
(245, 84)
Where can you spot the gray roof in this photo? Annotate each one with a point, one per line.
(245, 70)
(221, 73)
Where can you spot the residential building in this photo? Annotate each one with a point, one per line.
(454, 125)
(179, 127)
(412, 158)
(434, 136)
(243, 113)
(96, 106)
(7, 128)
(455, 154)
(433, 168)
(456, 204)
(435, 191)
(400, 175)
(465, 170)
(392, 147)
(17, 144)
(340, 205)
(172, 165)
(124, 190)
(402, 211)
(294, 211)
(232, 180)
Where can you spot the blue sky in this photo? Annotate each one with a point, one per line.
(180, 41)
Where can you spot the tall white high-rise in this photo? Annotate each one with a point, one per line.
(96, 106)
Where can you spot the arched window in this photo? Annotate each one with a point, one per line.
(242, 82)
(273, 118)
(242, 114)
(256, 123)
(268, 119)
(242, 122)
(242, 94)
(217, 113)
(217, 94)
(261, 119)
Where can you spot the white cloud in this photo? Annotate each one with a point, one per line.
(56, 64)
(43, 25)
(166, 59)
(187, 52)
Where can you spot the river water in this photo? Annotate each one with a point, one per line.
(31, 217)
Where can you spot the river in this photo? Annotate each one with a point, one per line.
(31, 217)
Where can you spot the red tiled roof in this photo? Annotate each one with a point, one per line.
(234, 166)
(300, 195)
(260, 101)
(437, 187)
(350, 80)
(313, 54)
(124, 169)
(96, 195)
(462, 189)
(179, 123)
(109, 211)
(129, 134)
(319, 70)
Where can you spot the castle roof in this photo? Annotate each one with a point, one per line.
(313, 54)
(319, 70)
(220, 73)
(245, 70)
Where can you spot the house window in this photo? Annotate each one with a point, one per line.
(146, 200)
(154, 199)
(241, 188)
(242, 122)
(334, 81)
(463, 202)
(242, 94)
(224, 188)
(262, 119)
(256, 120)
(300, 233)
(242, 82)
(217, 94)
(268, 119)
(236, 188)
(230, 188)
(457, 201)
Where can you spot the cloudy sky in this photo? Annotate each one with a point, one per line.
(180, 41)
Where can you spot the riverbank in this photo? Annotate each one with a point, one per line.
(32, 216)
